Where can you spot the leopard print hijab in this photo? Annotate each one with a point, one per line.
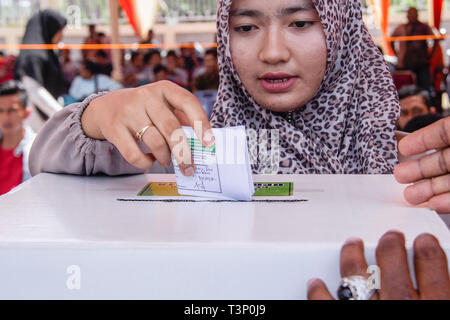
(348, 127)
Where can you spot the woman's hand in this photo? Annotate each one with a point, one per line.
(117, 116)
(430, 267)
(429, 173)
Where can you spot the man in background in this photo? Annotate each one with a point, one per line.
(414, 55)
(209, 78)
(414, 102)
(15, 138)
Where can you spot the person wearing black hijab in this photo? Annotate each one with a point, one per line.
(45, 27)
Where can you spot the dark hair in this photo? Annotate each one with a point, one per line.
(421, 121)
(101, 54)
(158, 68)
(90, 66)
(14, 87)
(172, 53)
(134, 55)
(150, 54)
(211, 51)
(413, 90)
(101, 34)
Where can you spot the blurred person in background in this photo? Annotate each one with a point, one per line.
(177, 75)
(15, 138)
(5, 72)
(414, 55)
(92, 38)
(69, 67)
(45, 27)
(161, 73)
(104, 66)
(421, 121)
(150, 40)
(90, 81)
(151, 60)
(190, 60)
(414, 102)
(134, 74)
(104, 39)
(209, 79)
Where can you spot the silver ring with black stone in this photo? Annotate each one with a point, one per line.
(355, 288)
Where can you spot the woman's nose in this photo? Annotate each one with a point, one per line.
(274, 50)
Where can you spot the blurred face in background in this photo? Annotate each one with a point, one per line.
(411, 107)
(12, 115)
(412, 15)
(138, 61)
(155, 60)
(171, 62)
(210, 62)
(181, 62)
(161, 75)
(85, 73)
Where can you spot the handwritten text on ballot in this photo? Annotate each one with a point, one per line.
(222, 170)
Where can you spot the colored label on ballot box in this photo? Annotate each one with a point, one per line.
(262, 189)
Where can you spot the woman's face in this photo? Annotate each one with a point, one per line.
(279, 50)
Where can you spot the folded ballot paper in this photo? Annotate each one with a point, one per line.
(222, 170)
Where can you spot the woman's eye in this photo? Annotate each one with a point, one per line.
(244, 28)
(301, 24)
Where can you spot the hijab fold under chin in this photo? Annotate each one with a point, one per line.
(348, 127)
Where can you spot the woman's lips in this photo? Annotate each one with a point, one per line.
(277, 82)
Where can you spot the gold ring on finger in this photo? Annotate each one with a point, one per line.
(140, 133)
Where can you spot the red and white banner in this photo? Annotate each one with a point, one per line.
(141, 14)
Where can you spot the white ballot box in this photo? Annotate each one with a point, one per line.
(68, 237)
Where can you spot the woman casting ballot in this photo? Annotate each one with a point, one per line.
(308, 69)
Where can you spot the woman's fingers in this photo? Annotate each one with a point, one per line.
(431, 268)
(128, 147)
(392, 259)
(433, 165)
(317, 290)
(427, 189)
(432, 172)
(440, 203)
(157, 145)
(182, 100)
(434, 168)
(174, 139)
(136, 119)
(434, 136)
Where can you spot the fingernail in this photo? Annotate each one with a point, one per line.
(310, 282)
(189, 171)
(208, 138)
(210, 142)
(353, 240)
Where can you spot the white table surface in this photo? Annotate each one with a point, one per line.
(188, 250)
